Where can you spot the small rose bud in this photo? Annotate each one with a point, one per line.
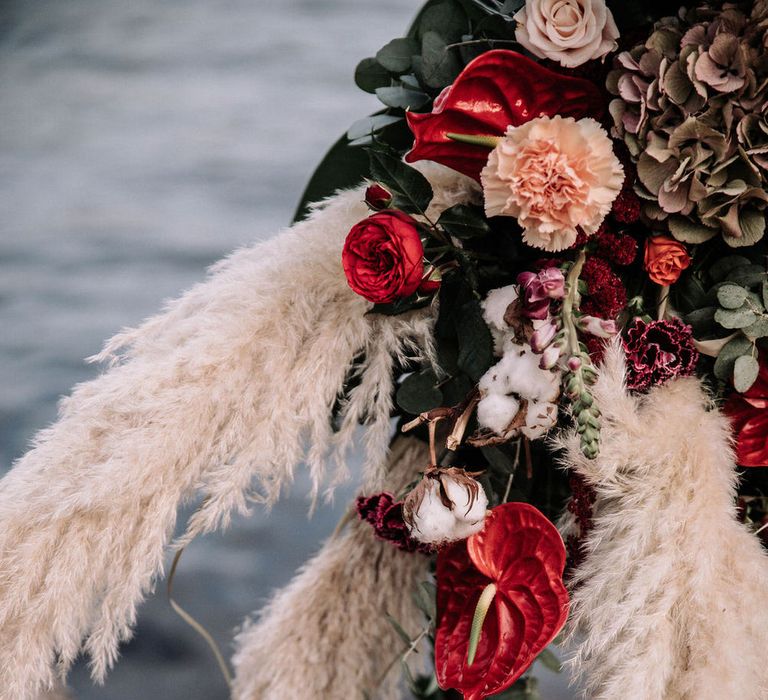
(543, 336)
(549, 357)
(574, 363)
(598, 327)
(377, 197)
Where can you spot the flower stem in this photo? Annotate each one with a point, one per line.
(483, 605)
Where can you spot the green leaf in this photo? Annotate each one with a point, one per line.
(745, 371)
(398, 628)
(439, 65)
(448, 19)
(689, 293)
(737, 318)
(370, 125)
(425, 597)
(410, 189)
(720, 268)
(396, 56)
(701, 320)
(759, 329)
(400, 97)
(747, 275)
(475, 342)
(549, 660)
(370, 74)
(727, 358)
(418, 392)
(464, 221)
(731, 296)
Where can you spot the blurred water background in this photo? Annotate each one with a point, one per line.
(139, 142)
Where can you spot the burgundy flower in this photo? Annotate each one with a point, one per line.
(617, 248)
(499, 88)
(606, 296)
(377, 197)
(539, 289)
(385, 515)
(658, 351)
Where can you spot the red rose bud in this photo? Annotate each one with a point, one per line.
(377, 197)
(383, 257)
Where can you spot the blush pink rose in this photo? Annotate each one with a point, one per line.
(570, 32)
(556, 176)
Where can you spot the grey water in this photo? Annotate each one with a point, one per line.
(140, 141)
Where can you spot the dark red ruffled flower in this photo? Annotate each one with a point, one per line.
(606, 296)
(749, 414)
(498, 89)
(617, 248)
(521, 553)
(658, 351)
(385, 515)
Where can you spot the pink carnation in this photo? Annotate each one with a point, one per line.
(556, 176)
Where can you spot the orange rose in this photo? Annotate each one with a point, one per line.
(665, 259)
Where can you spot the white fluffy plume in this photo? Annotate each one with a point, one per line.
(217, 398)
(670, 602)
(326, 634)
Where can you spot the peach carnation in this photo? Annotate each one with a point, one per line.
(556, 176)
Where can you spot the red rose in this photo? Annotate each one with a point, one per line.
(383, 257)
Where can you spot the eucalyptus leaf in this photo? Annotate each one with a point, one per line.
(370, 125)
(410, 189)
(370, 74)
(439, 65)
(764, 291)
(464, 221)
(720, 268)
(758, 329)
(725, 361)
(701, 320)
(401, 97)
(737, 318)
(396, 56)
(745, 371)
(448, 19)
(748, 275)
(418, 392)
(731, 296)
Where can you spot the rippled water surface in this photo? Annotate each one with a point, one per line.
(139, 142)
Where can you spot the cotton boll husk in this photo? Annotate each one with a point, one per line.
(433, 523)
(326, 634)
(670, 599)
(215, 399)
(465, 510)
(497, 411)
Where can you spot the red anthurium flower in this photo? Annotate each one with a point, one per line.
(749, 414)
(498, 89)
(518, 560)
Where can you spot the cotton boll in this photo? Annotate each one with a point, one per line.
(518, 372)
(539, 418)
(466, 509)
(433, 523)
(496, 304)
(497, 411)
(463, 530)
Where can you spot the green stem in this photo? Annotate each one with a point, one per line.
(570, 302)
(483, 605)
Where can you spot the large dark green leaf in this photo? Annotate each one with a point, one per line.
(397, 55)
(464, 221)
(418, 392)
(410, 189)
(689, 293)
(475, 342)
(439, 65)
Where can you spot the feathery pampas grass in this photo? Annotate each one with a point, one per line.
(670, 602)
(326, 634)
(216, 398)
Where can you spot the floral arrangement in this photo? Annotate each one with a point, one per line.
(619, 167)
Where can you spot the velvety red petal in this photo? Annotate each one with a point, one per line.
(522, 552)
(498, 89)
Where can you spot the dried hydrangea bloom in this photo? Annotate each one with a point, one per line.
(556, 176)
